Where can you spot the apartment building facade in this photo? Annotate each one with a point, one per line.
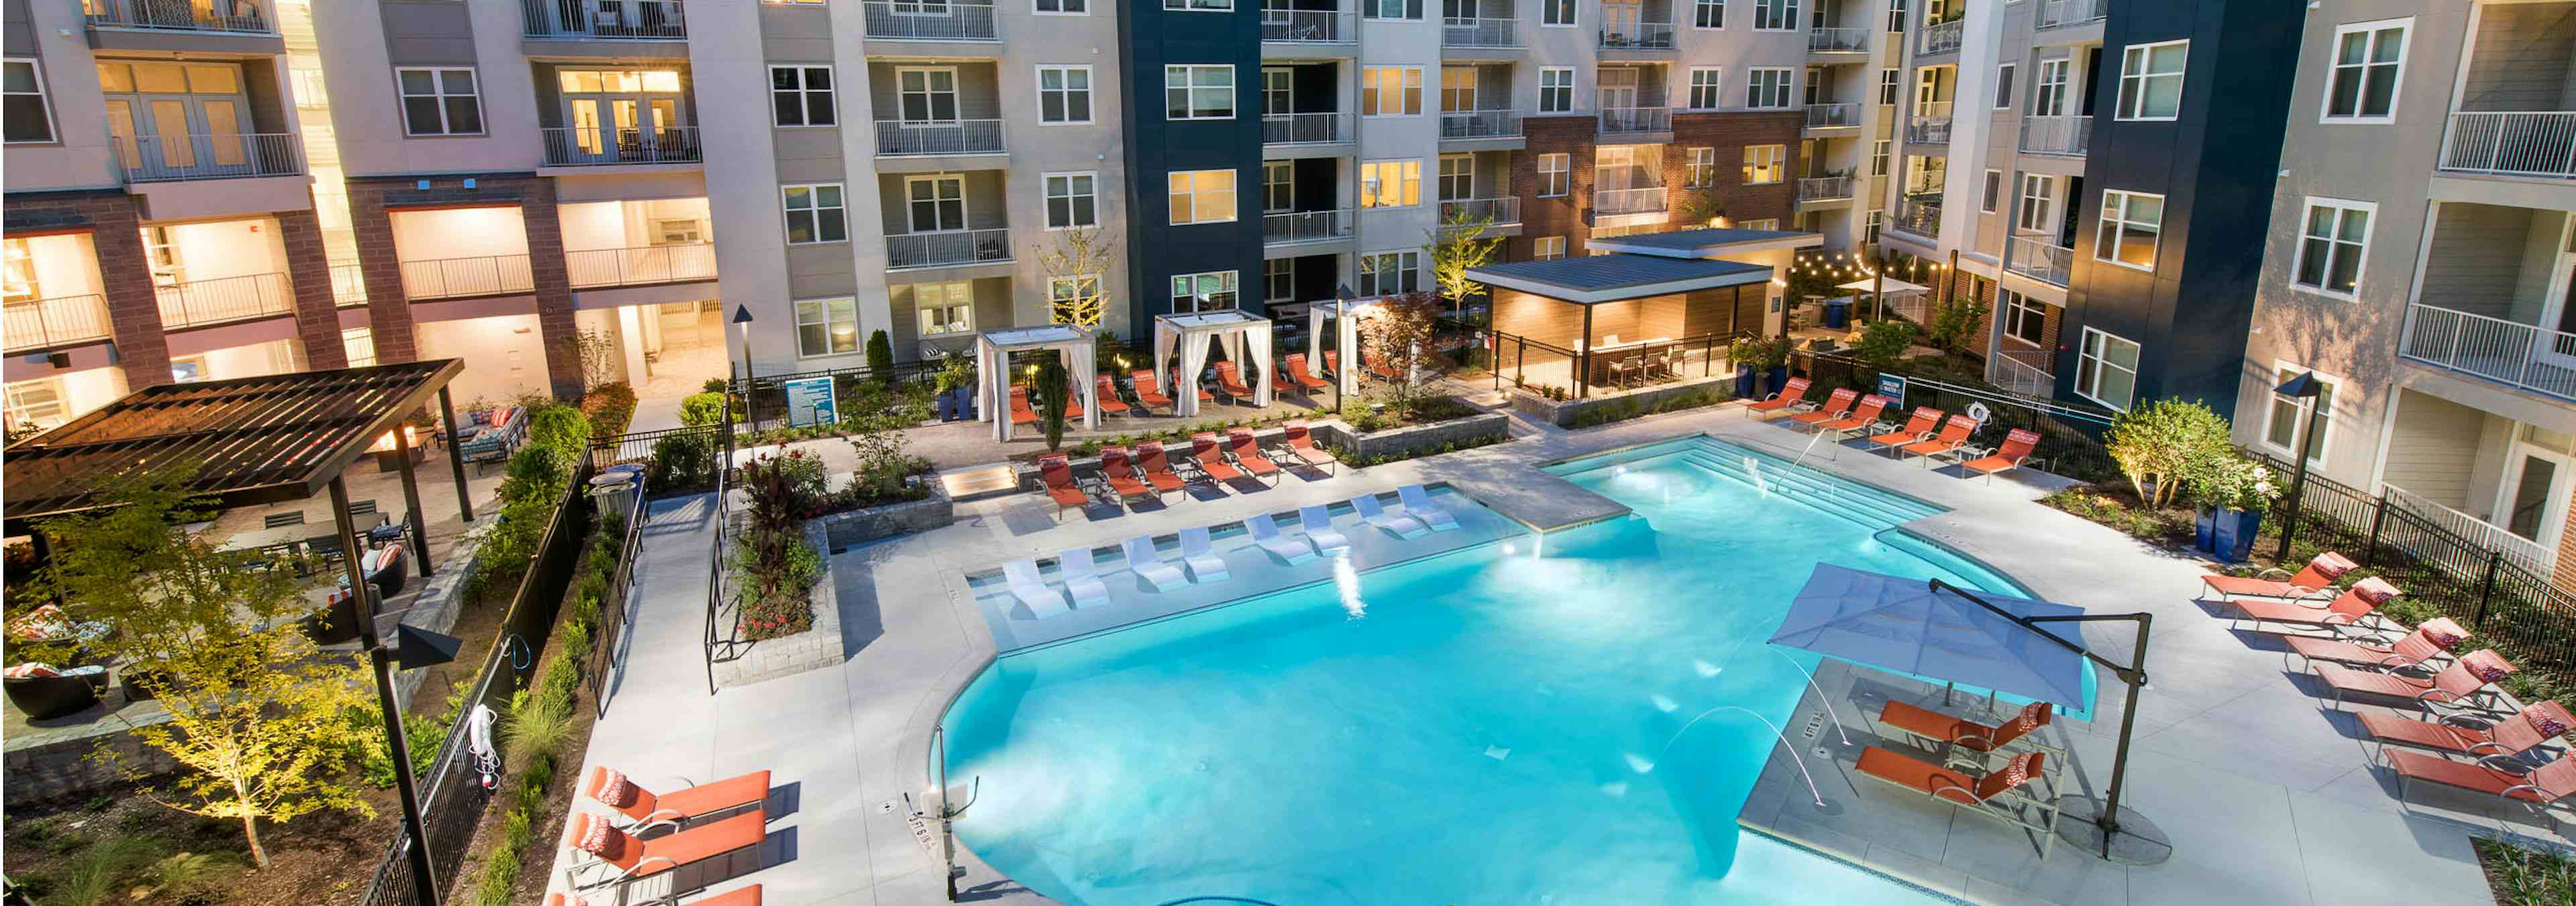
(2421, 248)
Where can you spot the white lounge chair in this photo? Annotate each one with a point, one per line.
(1417, 504)
(1205, 566)
(1375, 514)
(1318, 523)
(1265, 532)
(1032, 591)
(1148, 563)
(1081, 579)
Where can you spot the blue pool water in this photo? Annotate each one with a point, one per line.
(1508, 723)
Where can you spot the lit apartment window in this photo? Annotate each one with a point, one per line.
(360, 345)
(23, 112)
(1701, 164)
(2282, 428)
(1555, 89)
(802, 95)
(1759, 223)
(1391, 91)
(1064, 94)
(1390, 183)
(1557, 13)
(1775, 15)
(1211, 291)
(2038, 203)
(2369, 58)
(2331, 245)
(1704, 85)
(814, 213)
(944, 308)
(1547, 248)
(1709, 14)
(827, 327)
(1767, 88)
(1066, 294)
(2107, 370)
(2151, 80)
(1391, 9)
(1072, 200)
(1765, 164)
(1554, 174)
(2025, 318)
(2131, 222)
(38, 403)
(1201, 196)
(1063, 7)
(1198, 92)
(440, 102)
(1389, 273)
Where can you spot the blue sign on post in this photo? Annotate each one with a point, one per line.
(1892, 386)
(810, 401)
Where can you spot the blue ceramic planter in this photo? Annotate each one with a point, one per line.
(2235, 534)
(2204, 531)
(1744, 382)
(1779, 379)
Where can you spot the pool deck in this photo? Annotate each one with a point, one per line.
(2267, 799)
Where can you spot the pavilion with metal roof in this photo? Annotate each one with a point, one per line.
(1607, 319)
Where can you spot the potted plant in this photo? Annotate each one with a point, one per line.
(2236, 490)
(1751, 356)
(956, 385)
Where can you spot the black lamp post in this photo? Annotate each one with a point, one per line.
(742, 325)
(1341, 310)
(2303, 387)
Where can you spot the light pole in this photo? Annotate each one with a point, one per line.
(413, 648)
(1341, 311)
(742, 325)
(2303, 387)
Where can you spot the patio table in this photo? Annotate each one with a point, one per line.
(266, 537)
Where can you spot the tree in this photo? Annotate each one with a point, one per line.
(881, 356)
(599, 358)
(1052, 392)
(1954, 322)
(1457, 244)
(1077, 260)
(1397, 334)
(2167, 444)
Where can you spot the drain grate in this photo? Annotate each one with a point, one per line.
(1815, 725)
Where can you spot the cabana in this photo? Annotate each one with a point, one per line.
(1885, 287)
(1581, 322)
(993, 350)
(1242, 333)
(1346, 315)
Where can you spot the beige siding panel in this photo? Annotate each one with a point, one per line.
(2477, 253)
(428, 33)
(2430, 451)
(979, 94)
(2521, 60)
(796, 34)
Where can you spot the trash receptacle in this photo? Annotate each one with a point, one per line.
(1838, 313)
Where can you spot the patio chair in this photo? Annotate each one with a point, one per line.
(1298, 374)
(2505, 738)
(1081, 577)
(2010, 456)
(1401, 526)
(1301, 444)
(1108, 391)
(1417, 503)
(2416, 649)
(1998, 795)
(743, 896)
(1021, 414)
(1229, 381)
(1122, 479)
(1072, 406)
(1791, 396)
(282, 520)
(609, 856)
(1148, 564)
(1199, 554)
(1861, 418)
(1211, 457)
(1148, 392)
(1032, 591)
(2539, 791)
(1918, 429)
(1318, 523)
(1333, 363)
(1156, 468)
(1928, 729)
(640, 808)
(1377, 367)
(43, 693)
(1057, 473)
(2467, 681)
(2316, 580)
(1265, 532)
(1953, 437)
(1836, 405)
(1247, 454)
(2355, 605)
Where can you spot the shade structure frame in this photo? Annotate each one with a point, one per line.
(993, 349)
(1246, 337)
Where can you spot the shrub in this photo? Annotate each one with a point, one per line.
(772, 566)
(681, 462)
(1881, 344)
(562, 431)
(2166, 444)
(881, 355)
(610, 407)
(716, 385)
(1761, 355)
(702, 408)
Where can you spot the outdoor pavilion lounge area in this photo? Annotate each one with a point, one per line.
(1602, 323)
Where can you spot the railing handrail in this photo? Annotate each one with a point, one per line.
(2058, 134)
(1828, 113)
(1817, 188)
(1634, 119)
(2529, 356)
(146, 158)
(1830, 39)
(632, 265)
(2054, 263)
(1308, 226)
(2538, 143)
(1505, 123)
(634, 20)
(2524, 552)
(948, 248)
(2022, 377)
(1480, 31)
(1318, 128)
(245, 18)
(1646, 35)
(189, 303)
(1309, 26)
(502, 278)
(897, 137)
(657, 145)
(52, 325)
(2053, 13)
(911, 20)
(1503, 208)
(1629, 201)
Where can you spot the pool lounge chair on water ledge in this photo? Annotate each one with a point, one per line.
(1998, 795)
(1149, 565)
(1033, 592)
(1371, 512)
(1081, 578)
(1417, 503)
(1318, 523)
(1200, 556)
(640, 807)
(1265, 532)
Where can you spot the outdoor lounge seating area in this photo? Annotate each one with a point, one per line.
(681, 841)
(1596, 324)
(1151, 473)
(1927, 435)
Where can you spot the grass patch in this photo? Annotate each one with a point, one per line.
(2525, 877)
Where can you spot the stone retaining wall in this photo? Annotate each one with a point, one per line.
(812, 649)
(1413, 438)
(1561, 413)
(841, 530)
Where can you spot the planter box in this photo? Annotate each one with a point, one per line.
(1398, 441)
(1561, 413)
(813, 649)
(840, 530)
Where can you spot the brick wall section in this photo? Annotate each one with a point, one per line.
(2564, 577)
(133, 308)
(1729, 133)
(308, 266)
(1559, 215)
(389, 312)
(553, 277)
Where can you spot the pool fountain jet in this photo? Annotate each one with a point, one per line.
(1794, 758)
(1821, 697)
(1347, 581)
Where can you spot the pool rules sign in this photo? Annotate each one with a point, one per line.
(810, 401)
(1892, 386)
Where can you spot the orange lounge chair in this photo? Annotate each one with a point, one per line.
(1297, 374)
(1057, 473)
(1953, 436)
(747, 896)
(1211, 457)
(1861, 418)
(641, 808)
(2418, 648)
(1021, 414)
(1791, 395)
(2317, 577)
(1333, 362)
(2348, 609)
(1247, 454)
(2016, 450)
(1836, 404)
(1122, 479)
(1996, 795)
(2546, 787)
(2471, 678)
(2506, 738)
(1929, 728)
(1149, 393)
(1377, 366)
(1301, 443)
(1108, 392)
(1156, 468)
(1072, 406)
(1918, 429)
(1230, 382)
(604, 855)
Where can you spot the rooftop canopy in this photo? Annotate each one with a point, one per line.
(255, 440)
(1614, 278)
(1708, 243)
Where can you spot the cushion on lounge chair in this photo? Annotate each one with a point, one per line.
(2553, 781)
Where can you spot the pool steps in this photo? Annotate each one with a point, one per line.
(1864, 506)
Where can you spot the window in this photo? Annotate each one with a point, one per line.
(1064, 94)
(1389, 273)
(1547, 248)
(1202, 196)
(1391, 9)
(1199, 6)
(1554, 174)
(2038, 204)
(1709, 14)
(801, 95)
(1878, 155)
(18, 277)
(2004, 85)
(2284, 430)
(935, 203)
(1210, 291)
(1891, 87)
(1765, 164)
(1198, 92)
(1704, 83)
(1758, 223)
(1390, 183)
(1065, 295)
(1775, 15)
(814, 213)
(2025, 319)
(827, 327)
(1063, 7)
(926, 94)
(1279, 280)
(2369, 57)
(1702, 167)
(1457, 177)
(1993, 198)
(440, 102)
(23, 112)
(943, 308)
(1870, 225)
(1278, 186)
(1278, 91)
(2331, 245)
(2127, 234)
(2151, 80)
(1555, 89)
(2107, 370)
(1895, 16)
(359, 343)
(677, 231)
(1072, 200)
(1391, 91)
(1768, 88)
(2049, 96)
(1556, 13)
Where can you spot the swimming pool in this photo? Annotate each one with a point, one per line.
(1570, 719)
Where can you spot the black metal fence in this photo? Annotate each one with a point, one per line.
(765, 396)
(674, 459)
(718, 611)
(2070, 436)
(612, 607)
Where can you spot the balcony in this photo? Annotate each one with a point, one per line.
(1306, 226)
(898, 138)
(1637, 36)
(174, 158)
(1837, 40)
(1930, 127)
(1825, 188)
(1942, 37)
(348, 284)
(600, 146)
(929, 20)
(2062, 13)
(1475, 124)
(2516, 549)
(460, 278)
(603, 20)
(1308, 26)
(2536, 143)
(948, 249)
(1636, 119)
(1921, 218)
(2036, 258)
(180, 15)
(1500, 211)
(1305, 128)
(59, 321)
(641, 266)
(1629, 201)
(224, 299)
(1833, 116)
(2064, 135)
(1461, 31)
(2528, 356)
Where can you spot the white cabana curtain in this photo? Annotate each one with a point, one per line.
(1185, 385)
(1346, 333)
(1166, 335)
(993, 375)
(1258, 340)
(992, 369)
(1078, 370)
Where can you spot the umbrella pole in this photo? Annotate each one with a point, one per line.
(2109, 820)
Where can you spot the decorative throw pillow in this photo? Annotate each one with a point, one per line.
(2375, 591)
(2017, 771)
(2490, 672)
(597, 838)
(614, 789)
(2548, 725)
(31, 671)
(2442, 636)
(40, 624)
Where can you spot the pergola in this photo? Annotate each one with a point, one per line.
(993, 350)
(1240, 331)
(1346, 315)
(1587, 316)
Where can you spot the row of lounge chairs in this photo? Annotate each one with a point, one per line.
(700, 835)
(1985, 770)
(1148, 394)
(1924, 434)
(1080, 578)
(1150, 471)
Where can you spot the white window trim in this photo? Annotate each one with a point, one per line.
(1542, 171)
(1044, 198)
(857, 325)
(2003, 318)
(2022, 200)
(2299, 259)
(1399, 162)
(1576, 6)
(1233, 214)
(1035, 11)
(441, 85)
(2096, 251)
(1362, 270)
(1037, 77)
(1788, 83)
(1191, 6)
(1797, 13)
(1777, 162)
(803, 93)
(1416, 76)
(2005, 88)
(1539, 248)
(2120, 87)
(1234, 276)
(1694, 16)
(2325, 441)
(1232, 111)
(1990, 194)
(54, 125)
(2100, 363)
(1690, 87)
(2396, 93)
(956, 93)
(964, 215)
(815, 189)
